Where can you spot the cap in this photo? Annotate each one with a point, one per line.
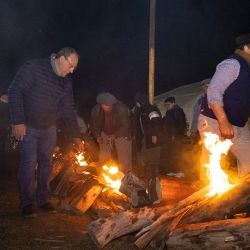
(106, 98)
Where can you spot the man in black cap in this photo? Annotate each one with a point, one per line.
(226, 108)
(110, 124)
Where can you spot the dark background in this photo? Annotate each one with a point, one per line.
(111, 36)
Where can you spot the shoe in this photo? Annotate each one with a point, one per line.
(28, 212)
(48, 207)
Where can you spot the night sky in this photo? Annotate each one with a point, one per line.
(111, 36)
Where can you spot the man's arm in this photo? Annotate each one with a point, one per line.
(226, 73)
(226, 128)
(22, 80)
(69, 116)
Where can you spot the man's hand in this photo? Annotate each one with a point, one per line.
(154, 139)
(226, 129)
(19, 131)
(111, 140)
(79, 144)
(99, 139)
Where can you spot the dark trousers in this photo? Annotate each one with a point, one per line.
(36, 155)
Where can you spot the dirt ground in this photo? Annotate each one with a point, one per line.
(46, 231)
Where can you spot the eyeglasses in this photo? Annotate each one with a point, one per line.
(72, 66)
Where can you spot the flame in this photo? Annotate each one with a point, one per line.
(80, 160)
(218, 178)
(86, 172)
(112, 176)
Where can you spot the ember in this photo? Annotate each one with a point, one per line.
(218, 178)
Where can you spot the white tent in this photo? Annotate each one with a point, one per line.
(185, 96)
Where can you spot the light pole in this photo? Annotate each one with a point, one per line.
(151, 73)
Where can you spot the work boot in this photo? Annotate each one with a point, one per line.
(28, 212)
(48, 207)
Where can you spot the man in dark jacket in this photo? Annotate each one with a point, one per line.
(39, 94)
(148, 135)
(110, 124)
(226, 107)
(174, 127)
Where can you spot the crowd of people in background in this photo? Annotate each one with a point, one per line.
(138, 138)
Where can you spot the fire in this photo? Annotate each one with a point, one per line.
(218, 178)
(112, 176)
(80, 159)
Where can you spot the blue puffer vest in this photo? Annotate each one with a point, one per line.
(236, 98)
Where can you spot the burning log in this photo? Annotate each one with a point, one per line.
(90, 191)
(117, 198)
(109, 203)
(204, 209)
(223, 234)
(101, 209)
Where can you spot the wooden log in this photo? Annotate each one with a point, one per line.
(102, 209)
(102, 231)
(146, 235)
(117, 198)
(234, 201)
(223, 234)
(90, 191)
(124, 222)
(204, 209)
(110, 202)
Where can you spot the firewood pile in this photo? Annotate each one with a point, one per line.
(216, 216)
(81, 186)
(197, 222)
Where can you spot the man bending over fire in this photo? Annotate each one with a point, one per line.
(110, 124)
(40, 93)
(226, 108)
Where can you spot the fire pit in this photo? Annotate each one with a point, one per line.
(197, 222)
(81, 185)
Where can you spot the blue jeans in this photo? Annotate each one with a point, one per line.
(35, 167)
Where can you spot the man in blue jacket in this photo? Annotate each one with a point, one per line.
(39, 94)
(226, 108)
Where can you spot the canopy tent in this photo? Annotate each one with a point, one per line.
(185, 96)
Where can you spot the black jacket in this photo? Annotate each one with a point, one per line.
(38, 97)
(148, 123)
(174, 123)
